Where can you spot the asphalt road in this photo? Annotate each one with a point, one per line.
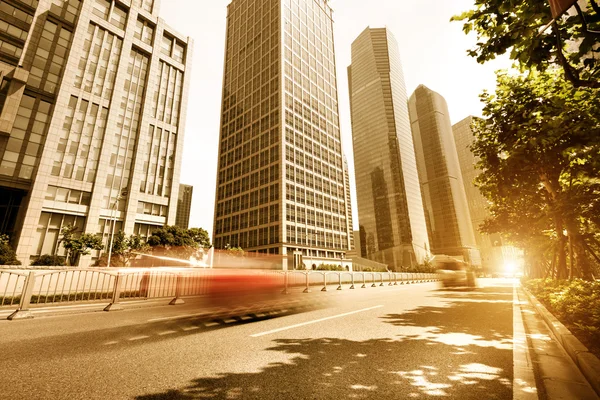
(399, 342)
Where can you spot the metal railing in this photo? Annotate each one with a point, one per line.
(44, 287)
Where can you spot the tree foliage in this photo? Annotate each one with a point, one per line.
(124, 250)
(539, 151)
(175, 242)
(7, 254)
(77, 245)
(513, 27)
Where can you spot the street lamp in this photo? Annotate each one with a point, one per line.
(113, 218)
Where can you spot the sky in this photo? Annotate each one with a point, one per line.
(433, 52)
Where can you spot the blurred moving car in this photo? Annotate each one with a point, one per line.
(455, 273)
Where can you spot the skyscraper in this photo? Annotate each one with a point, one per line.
(184, 206)
(494, 254)
(444, 198)
(280, 184)
(93, 109)
(390, 207)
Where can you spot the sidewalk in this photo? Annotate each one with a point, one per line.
(557, 376)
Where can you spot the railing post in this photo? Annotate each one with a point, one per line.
(115, 305)
(352, 286)
(390, 279)
(178, 300)
(324, 282)
(23, 311)
(364, 285)
(285, 283)
(307, 290)
(395, 279)
(340, 281)
(373, 279)
(381, 278)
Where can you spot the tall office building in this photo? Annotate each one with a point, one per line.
(281, 184)
(390, 207)
(494, 253)
(93, 108)
(444, 198)
(184, 206)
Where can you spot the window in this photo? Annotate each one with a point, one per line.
(167, 46)
(144, 31)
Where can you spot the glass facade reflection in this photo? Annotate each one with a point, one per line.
(281, 184)
(390, 208)
(494, 254)
(444, 198)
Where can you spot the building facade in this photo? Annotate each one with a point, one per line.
(495, 255)
(92, 126)
(184, 206)
(390, 207)
(444, 198)
(281, 184)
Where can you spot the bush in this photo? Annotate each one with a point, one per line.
(330, 267)
(48, 260)
(7, 254)
(576, 303)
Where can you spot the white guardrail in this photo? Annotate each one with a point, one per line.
(26, 289)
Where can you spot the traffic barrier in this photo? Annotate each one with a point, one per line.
(43, 287)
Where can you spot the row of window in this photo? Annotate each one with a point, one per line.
(152, 209)
(26, 138)
(249, 239)
(70, 196)
(258, 197)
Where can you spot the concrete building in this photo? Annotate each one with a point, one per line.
(446, 208)
(281, 185)
(93, 107)
(390, 207)
(184, 206)
(495, 255)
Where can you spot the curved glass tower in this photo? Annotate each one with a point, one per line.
(390, 207)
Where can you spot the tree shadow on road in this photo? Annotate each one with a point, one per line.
(459, 350)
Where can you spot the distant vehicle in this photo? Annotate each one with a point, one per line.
(455, 273)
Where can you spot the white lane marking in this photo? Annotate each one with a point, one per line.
(524, 387)
(138, 338)
(166, 333)
(209, 324)
(191, 328)
(176, 317)
(111, 343)
(229, 321)
(313, 322)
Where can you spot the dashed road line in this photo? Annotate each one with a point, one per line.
(314, 321)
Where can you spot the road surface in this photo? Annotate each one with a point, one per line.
(393, 342)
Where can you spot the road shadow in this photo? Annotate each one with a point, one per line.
(460, 350)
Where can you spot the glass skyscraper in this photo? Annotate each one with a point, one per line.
(93, 100)
(390, 208)
(281, 185)
(494, 253)
(446, 209)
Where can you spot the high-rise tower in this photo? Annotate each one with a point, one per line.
(390, 207)
(444, 198)
(494, 253)
(280, 184)
(93, 107)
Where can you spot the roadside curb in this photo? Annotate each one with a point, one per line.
(588, 363)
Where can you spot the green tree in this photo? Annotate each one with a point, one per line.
(77, 245)
(514, 27)
(175, 242)
(7, 254)
(539, 150)
(124, 250)
(234, 251)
